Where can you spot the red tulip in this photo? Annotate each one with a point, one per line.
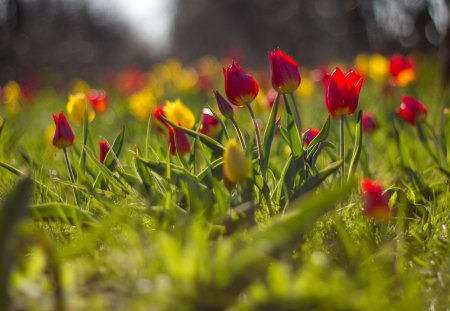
(375, 203)
(342, 92)
(210, 125)
(224, 106)
(369, 125)
(159, 122)
(98, 100)
(104, 149)
(64, 136)
(240, 87)
(284, 72)
(178, 141)
(309, 135)
(411, 109)
(402, 70)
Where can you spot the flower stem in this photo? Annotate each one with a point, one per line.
(341, 146)
(297, 116)
(239, 133)
(72, 176)
(258, 140)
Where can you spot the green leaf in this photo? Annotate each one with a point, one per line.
(208, 141)
(115, 150)
(270, 130)
(322, 135)
(2, 124)
(281, 181)
(82, 163)
(143, 173)
(65, 213)
(358, 146)
(316, 180)
(293, 133)
(424, 140)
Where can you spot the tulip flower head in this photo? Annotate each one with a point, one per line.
(77, 106)
(369, 124)
(179, 113)
(236, 166)
(178, 141)
(402, 71)
(224, 106)
(64, 136)
(210, 125)
(240, 87)
(342, 92)
(98, 100)
(411, 110)
(309, 135)
(375, 203)
(284, 72)
(104, 149)
(158, 121)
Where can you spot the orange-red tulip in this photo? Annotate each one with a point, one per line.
(210, 125)
(98, 100)
(178, 141)
(309, 135)
(411, 110)
(240, 87)
(369, 125)
(375, 203)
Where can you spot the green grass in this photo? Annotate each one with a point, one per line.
(164, 233)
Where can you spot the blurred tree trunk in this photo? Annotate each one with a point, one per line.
(446, 55)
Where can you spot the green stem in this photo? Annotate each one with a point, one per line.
(258, 141)
(342, 147)
(297, 116)
(71, 175)
(239, 133)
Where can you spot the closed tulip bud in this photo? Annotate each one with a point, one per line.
(369, 125)
(178, 141)
(342, 92)
(309, 135)
(240, 87)
(375, 203)
(284, 72)
(236, 166)
(104, 149)
(411, 110)
(224, 106)
(210, 125)
(77, 106)
(98, 100)
(64, 136)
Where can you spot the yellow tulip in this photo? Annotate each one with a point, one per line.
(362, 63)
(236, 166)
(306, 88)
(378, 67)
(76, 107)
(12, 95)
(141, 104)
(178, 113)
(405, 77)
(80, 86)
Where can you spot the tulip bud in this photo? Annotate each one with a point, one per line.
(284, 72)
(375, 203)
(224, 106)
(210, 125)
(240, 87)
(64, 136)
(236, 166)
(411, 110)
(309, 135)
(342, 92)
(77, 106)
(178, 141)
(104, 149)
(369, 125)
(98, 100)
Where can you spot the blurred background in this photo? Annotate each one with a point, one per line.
(82, 37)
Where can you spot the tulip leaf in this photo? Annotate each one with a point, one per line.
(424, 140)
(322, 135)
(13, 210)
(293, 132)
(65, 213)
(208, 141)
(116, 148)
(270, 130)
(281, 181)
(2, 124)
(316, 180)
(358, 146)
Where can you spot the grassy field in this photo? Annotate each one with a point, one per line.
(151, 230)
